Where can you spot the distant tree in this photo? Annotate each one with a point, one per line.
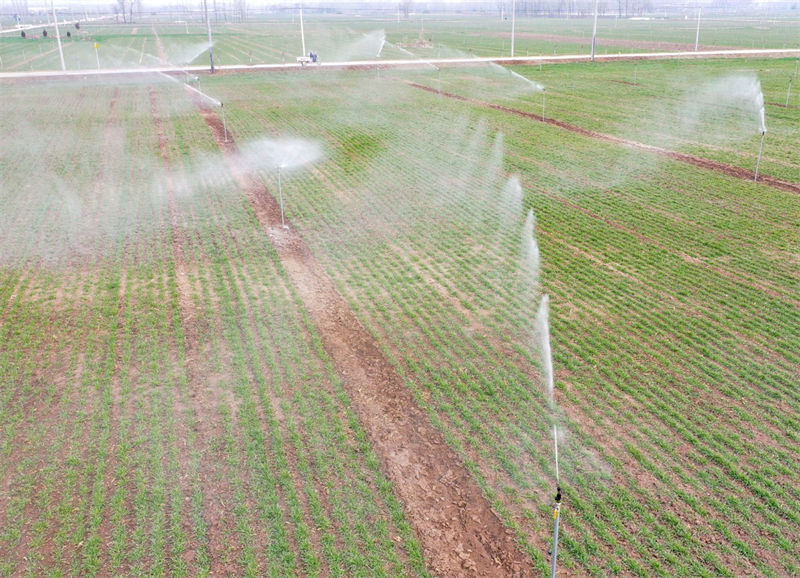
(20, 8)
(405, 7)
(22, 34)
(77, 26)
(121, 7)
(241, 9)
(44, 32)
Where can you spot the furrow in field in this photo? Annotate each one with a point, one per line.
(452, 518)
(705, 163)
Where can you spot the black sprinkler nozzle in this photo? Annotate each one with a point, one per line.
(558, 494)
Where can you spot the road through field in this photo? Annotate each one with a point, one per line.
(415, 63)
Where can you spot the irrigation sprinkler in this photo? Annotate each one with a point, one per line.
(280, 196)
(97, 56)
(556, 508)
(635, 70)
(760, 148)
(697, 34)
(556, 520)
(788, 92)
(224, 124)
(543, 99)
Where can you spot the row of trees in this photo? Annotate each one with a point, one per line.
(218, 10)
(562, 8)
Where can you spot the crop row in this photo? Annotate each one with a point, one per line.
(421, 287)
(182, 394)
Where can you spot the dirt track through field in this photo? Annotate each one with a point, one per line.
(702, 162)
(454, 522)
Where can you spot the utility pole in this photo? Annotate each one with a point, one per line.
(210, 42)
(513, 24)
(594, 28)
(697, 34)
(58, 37)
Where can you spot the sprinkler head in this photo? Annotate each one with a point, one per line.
(558, 494)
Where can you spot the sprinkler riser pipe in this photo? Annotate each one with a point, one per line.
(280, 195)
(760, 149)
(553, 564)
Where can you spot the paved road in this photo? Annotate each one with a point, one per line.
(413, 63)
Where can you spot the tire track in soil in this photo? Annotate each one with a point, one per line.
(459, 531)
(724, 168)
(202, 403)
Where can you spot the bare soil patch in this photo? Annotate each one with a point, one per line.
(459, 532)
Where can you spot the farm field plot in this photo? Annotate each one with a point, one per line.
(276, 39)
(170, 403)
(707, 108)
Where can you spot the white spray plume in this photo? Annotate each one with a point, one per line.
(286, 153)
(543, 329)
(739, 91)
(530, 249)
(527, 82)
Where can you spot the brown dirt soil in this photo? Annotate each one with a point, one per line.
(705, 163)
(460, 533)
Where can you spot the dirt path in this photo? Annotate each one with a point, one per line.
(702, 162)
(460, 533)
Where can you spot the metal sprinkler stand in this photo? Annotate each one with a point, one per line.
(543, 100)
(224, 125)
(557, 519)
(280, 195)
(760, 148)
